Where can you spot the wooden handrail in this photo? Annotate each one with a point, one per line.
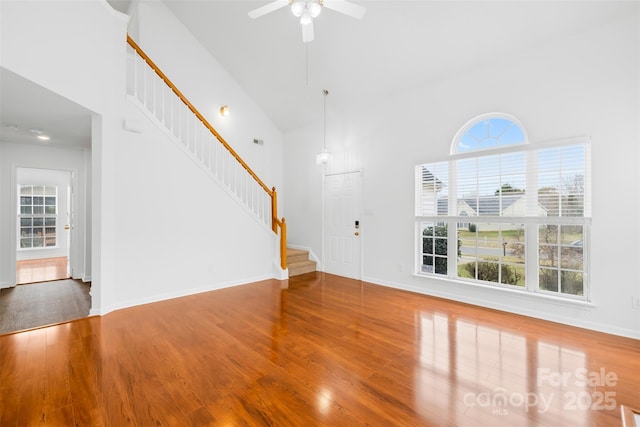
(275, 222)
(195, 111)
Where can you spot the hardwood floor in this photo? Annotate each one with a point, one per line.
(41, 270)
(327, 351)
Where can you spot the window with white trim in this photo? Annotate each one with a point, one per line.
(504, 213)
(37, 211)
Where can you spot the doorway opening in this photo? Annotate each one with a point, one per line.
(45, 209)
(44, 249)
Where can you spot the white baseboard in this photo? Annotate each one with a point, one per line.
(4, 285)
(524, 311)
(101, 311)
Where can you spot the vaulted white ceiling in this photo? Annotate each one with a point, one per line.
(397, 45)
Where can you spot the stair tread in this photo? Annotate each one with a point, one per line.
(305, 262)
(298, 262)
(291, 251)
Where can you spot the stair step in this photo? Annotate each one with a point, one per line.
(301, 267)
(296, 255)
(298, 262)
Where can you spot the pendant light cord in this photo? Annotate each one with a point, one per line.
(324, 123)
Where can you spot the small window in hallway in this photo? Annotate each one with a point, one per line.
(37, 211)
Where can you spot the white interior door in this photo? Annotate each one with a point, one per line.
(342, 228)
(56, 183)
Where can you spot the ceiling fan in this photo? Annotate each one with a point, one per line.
(306, 10)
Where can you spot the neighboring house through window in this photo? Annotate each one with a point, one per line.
(502, 212)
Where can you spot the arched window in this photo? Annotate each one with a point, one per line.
(502, 212)
(488, 131)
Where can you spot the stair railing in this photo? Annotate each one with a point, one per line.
(162, 99)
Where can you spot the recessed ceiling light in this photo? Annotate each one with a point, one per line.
(43, 137)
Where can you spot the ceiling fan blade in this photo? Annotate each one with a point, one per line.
(307, 32)
(268, 8)
(348, 8)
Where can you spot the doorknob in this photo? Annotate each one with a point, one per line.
(66, 227)
(356, 233)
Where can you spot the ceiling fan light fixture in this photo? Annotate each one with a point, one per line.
(306, 18)
(297, 7)
(314, 9)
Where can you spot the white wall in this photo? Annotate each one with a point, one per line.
(160, 227)
(585, 84)
(207, 85)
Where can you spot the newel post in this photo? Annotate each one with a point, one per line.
(283, 244)
(274, 210)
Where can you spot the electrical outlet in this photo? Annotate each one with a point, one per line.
(635, 302)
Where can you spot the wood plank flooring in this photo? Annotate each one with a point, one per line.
(327, 351)
(41, 270)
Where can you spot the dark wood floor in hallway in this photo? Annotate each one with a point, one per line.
(327, 351)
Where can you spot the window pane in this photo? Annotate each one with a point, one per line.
(441, 265)
(38, 242)
(548, 234)
(562, 254)
(571, 282)
(431, 189)
(513, 275)
(571, 235)
(38, 210)
(50, 201)
(516, 252)
(50, 210)
(38, 190)
(427, 264)
(561, 180)
(490, 132)
(50, 222)
(548, 255)
(548, 279)
(571, 258)
(38, 200)
(440, 246)
(493, 253)
(38, 222)
(26, 222)
(26, 242)
(26, 201)
(434, 241)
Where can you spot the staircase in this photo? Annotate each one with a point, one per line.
(298, 262)
(152, 91)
